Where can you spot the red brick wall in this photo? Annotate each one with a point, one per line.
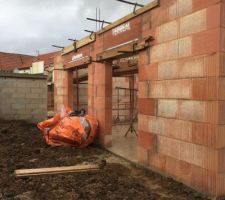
(181, 92)
(182, 131)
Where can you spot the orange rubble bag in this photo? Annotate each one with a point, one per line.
(69, 130)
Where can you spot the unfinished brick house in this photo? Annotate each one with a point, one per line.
(180, 47)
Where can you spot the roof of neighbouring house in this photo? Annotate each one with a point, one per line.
(11, 61)
(48, 58)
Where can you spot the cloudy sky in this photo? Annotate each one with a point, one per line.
(30, 25)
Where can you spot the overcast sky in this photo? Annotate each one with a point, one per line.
(30, 25)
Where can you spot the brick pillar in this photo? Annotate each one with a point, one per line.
(100, 99)
(63, 83)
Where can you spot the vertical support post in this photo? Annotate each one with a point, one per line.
(100, 99)
(77, 88)
(63, 91)
(131, 87)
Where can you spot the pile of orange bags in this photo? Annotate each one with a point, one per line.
(66, 130)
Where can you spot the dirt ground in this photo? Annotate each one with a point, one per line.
(22, 146)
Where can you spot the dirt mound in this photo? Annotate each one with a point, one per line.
(22, 146)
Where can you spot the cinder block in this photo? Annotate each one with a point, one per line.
(179, 89)
(178, 129)
(173, 10)
(168, 108)
(168, 70)
(192, 110)
(157, 125)
(204, 134)
(213, 16)
(184, 7)
(166, 32)
(169, 147)
(191, 67)
(143, 155)
(181, 170)
(165, 51)
(191, 153)
(148, 72)
(157, 89)
(203, 179)
(185, 47)
(212, 65)
(200, 46)
(157, 161)
(206, 88)
(144, 89)
(143, 58)
(19, 94)
(193, 23)
(18, 106)
(147, 140)
(175, 89)
(212, 109)
(147, 106)
(200, 4)
(163, 14)
(37, 90)
(143, 123)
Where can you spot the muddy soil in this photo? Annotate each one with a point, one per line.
(22, 146)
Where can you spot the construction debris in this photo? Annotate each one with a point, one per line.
(65, 129)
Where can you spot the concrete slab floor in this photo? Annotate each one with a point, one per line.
(125, 147)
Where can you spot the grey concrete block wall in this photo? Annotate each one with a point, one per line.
(23, 97)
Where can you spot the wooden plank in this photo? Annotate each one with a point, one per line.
(140, 11)
(124, 50)
(81, 78)
(81, 63)
(122, 72)
(116, 52)
(68, 49)
(55, 170)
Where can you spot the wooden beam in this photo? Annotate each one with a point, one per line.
(68, 49)
(80, 64)
(78, 44)
(125, 71)
(138, 12)
(125, 50)
(81, 78)
(55, 170)
(126, 68)
(85, 41)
